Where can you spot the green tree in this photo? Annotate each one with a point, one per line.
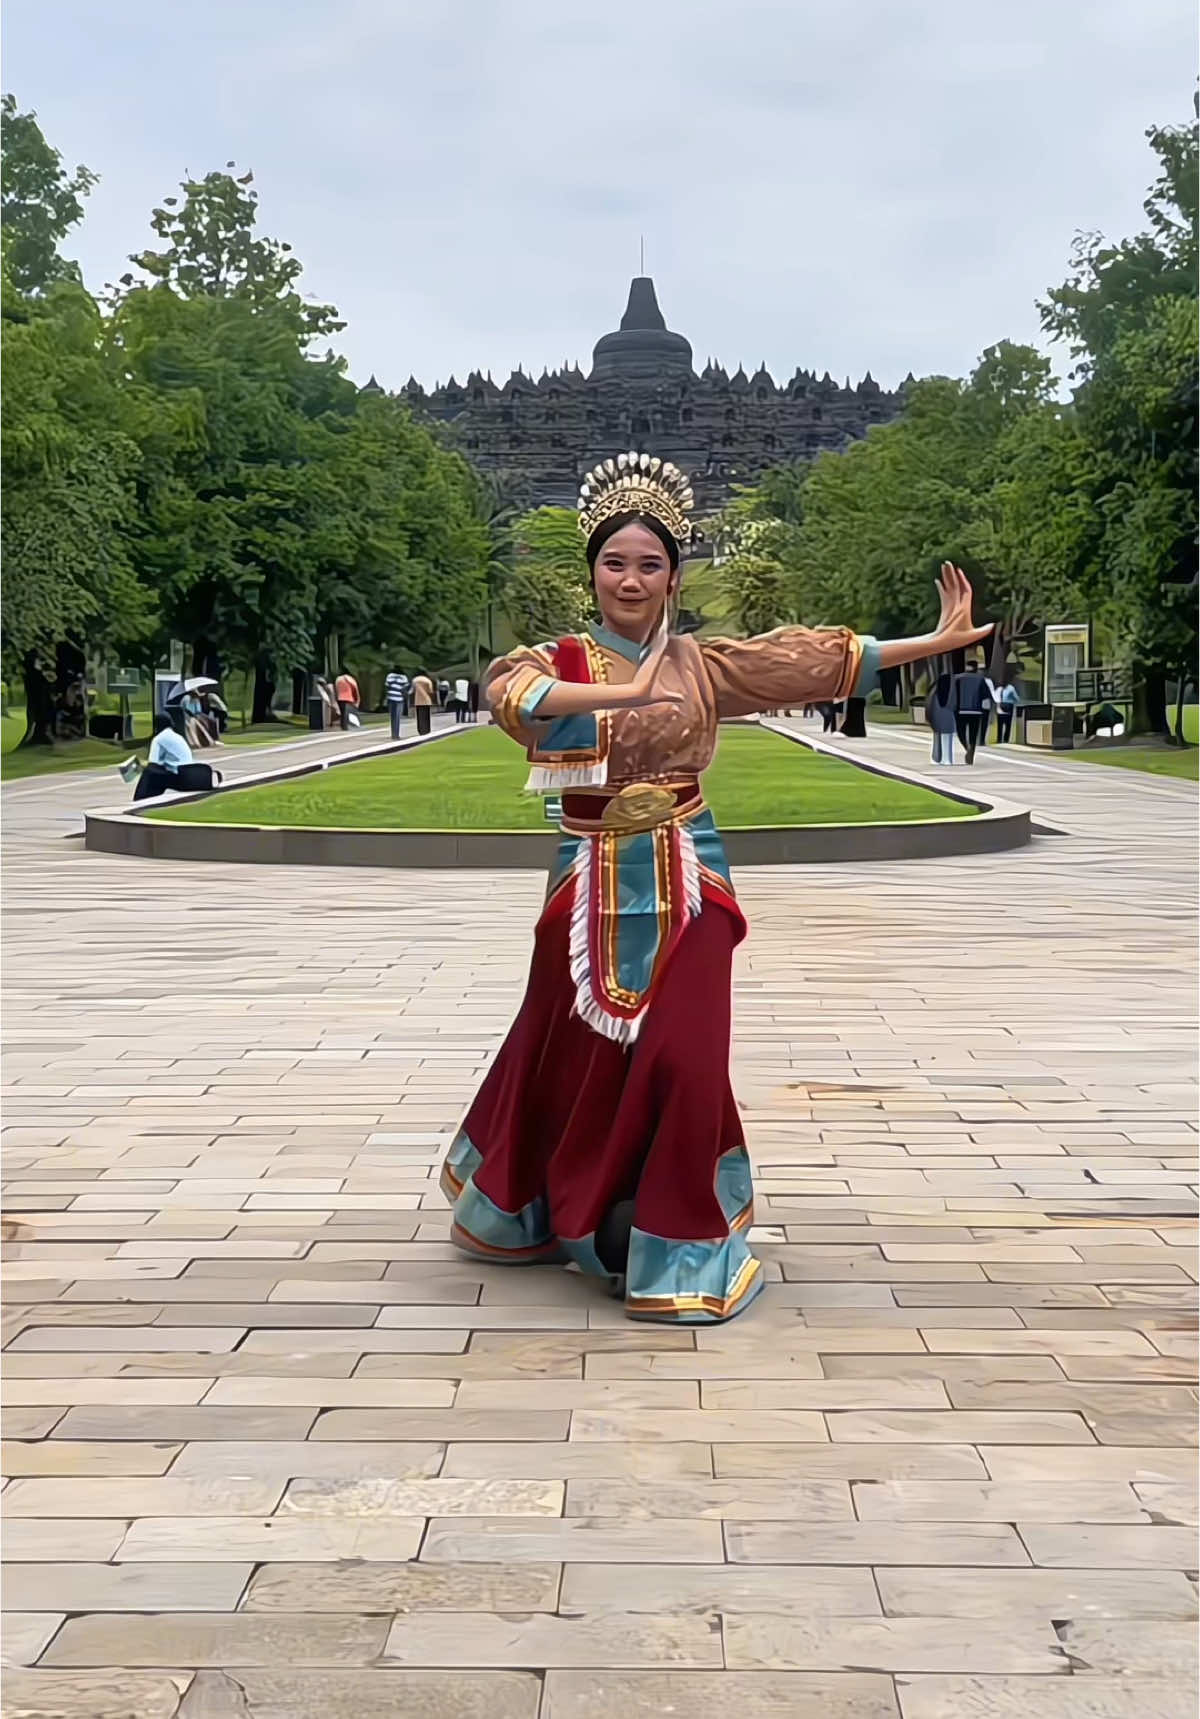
(39, 202)
(71, 457)
(1128, 310)
(756, 591)
(547, 592)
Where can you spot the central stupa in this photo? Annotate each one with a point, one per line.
(643, 348)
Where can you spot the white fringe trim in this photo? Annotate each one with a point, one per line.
(690, 866)
(552, 779)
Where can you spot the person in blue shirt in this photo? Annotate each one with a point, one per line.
(170, 765)
(1007, 702)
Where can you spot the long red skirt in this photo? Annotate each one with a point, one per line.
(568, 1124)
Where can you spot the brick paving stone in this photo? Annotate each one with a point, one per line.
(354, 1694)
(819, 1590)
(608, 1461)
(800, 1643)
(195, 1639)
(574, 1540)
(77, 1587)
(849, 1461)
(1109, 1546)
(70, 1457)
(803, 1500)
(1045, 1698)
(390, 1588)
(157, 1495)
(1125, 1648)
(27, 1634)
(991, 1543)
(606, 1640)
(933, 1591)
(175, 1539)
(100, 1694)
(714, 1695)
(261, 1408)
(997, 1501)
(442, 1497)
(282, 1460)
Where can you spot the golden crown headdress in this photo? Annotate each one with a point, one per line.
(637, 483)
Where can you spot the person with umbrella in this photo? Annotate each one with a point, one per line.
(183, 700)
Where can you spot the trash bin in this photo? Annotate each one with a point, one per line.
(316, 713)
(1049, 726)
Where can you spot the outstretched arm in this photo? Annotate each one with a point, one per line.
(804, 665)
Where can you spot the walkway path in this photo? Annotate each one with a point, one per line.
(275, 1452)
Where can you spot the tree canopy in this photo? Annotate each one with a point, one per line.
(1082, 510)
(183, 461)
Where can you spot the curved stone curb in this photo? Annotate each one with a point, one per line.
(1000, 825)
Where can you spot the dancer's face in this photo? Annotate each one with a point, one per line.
(633, 580)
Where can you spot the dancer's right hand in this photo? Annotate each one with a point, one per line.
(648, 686)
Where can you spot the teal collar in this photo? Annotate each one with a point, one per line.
(614, 642)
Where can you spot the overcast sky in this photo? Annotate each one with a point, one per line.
(841, 184)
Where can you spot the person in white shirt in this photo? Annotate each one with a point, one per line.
(395, 692)
(462, 694)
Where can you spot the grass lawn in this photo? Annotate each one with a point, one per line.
(475, 782)
(95, 754)
(1158, 760)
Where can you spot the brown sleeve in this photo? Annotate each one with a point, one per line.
(793, 665)
(508, 682)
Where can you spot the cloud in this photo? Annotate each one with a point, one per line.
(888, 185)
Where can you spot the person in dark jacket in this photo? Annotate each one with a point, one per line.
(972, 704)
(939, 713)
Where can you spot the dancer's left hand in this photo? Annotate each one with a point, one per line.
(956, 629)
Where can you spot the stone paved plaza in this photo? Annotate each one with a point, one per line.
(276, 1452)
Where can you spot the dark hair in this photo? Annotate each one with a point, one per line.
(618, 522)
(161, 721)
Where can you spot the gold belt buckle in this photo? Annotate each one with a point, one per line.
(639, 806)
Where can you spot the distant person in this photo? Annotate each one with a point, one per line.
(829, 716)
(215, 714)
(989, 704)
(395, 691)
(170, 767)
(329, 708)
(196, 729)
(473, 700)
(345, 690)
(939, 713)
(1007, 700)
(443, 693)
(423, 693)
(972, 701)
(462, 691)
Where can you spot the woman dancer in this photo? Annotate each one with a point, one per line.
(606, 1132)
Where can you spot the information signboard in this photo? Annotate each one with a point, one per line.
(123, 679)
(1096, 685)
(1066, 653)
